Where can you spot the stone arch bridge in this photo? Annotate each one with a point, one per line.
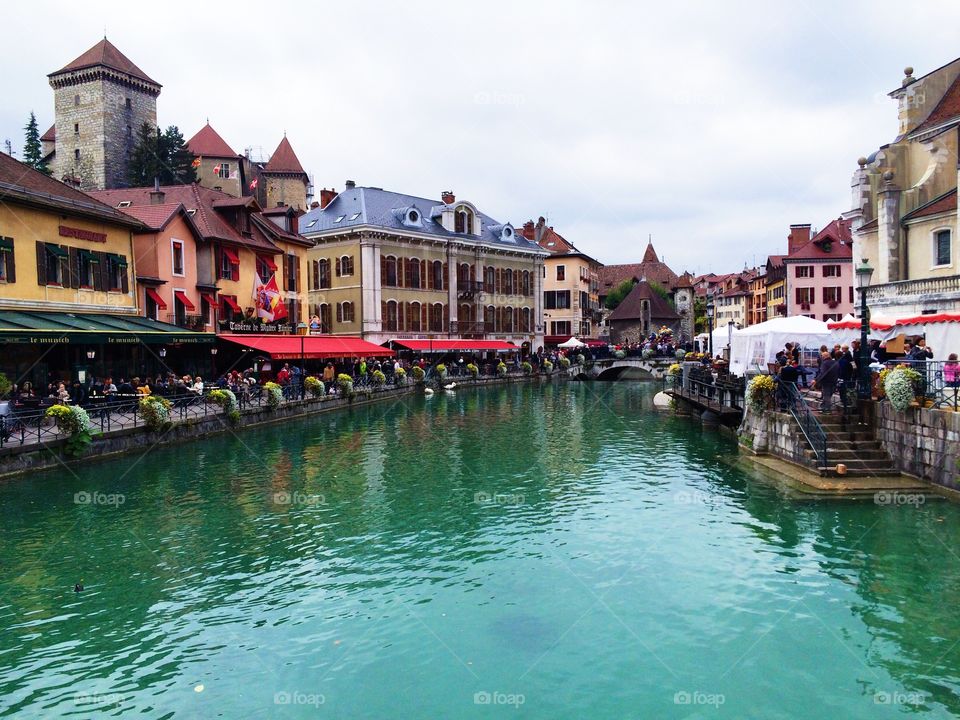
(629, 368)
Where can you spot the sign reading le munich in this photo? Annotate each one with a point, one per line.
(80, 234)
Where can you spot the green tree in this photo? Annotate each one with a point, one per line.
(160, 155)
(662, 292)
(700, 315)
(616, 296)
(32, 149)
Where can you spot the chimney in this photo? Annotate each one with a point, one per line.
(448, 197)
(538, 230)
(314, 205)
(326, 197)
(349, 184)
(157, 195)
(528, 231)
(280, 203)
(798, 237)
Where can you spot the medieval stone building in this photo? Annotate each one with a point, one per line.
(101, 100)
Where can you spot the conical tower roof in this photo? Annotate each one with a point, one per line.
(208, 143)
(105, 54)
(284, 160)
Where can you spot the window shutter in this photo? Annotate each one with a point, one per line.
(423, 272)
(407, 273)
(73, 268)
(446, 276)
(429, 283)
(401, 315)
(498, 281)
(383, 313)
(383, 271)
(41, 263)
(11, 265)
(446, 318)
(423, 317)
(497, 319)
(338, 267)
(516, 318)
(124, 275)
(339, 311)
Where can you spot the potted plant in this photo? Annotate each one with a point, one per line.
(314, 386)
(501, 369)
(5, 387)
(547, 367)
(900, 385)
(760, 393)
(228, 401)
(418, 374)
(526, 367)
(620, 354)
(565, 363)
(401, 376)
(441, 371)
(155, 412)
(473, 370)
(345, 383)
(73, 422)
(378, 378)
(274, 395)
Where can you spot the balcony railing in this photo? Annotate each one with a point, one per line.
(466, 288)
(467, 327)
(946, 285)
(190, 322)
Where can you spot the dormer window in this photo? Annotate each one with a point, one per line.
(463, 221)
(355, 216)
(409, 216)
(339, 218)
(311, 223)
(504, 233)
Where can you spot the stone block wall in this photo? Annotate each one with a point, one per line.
(772, 433)
(921, 442)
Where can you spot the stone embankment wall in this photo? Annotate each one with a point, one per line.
(921, 442)
(15, 460)
(773, 433)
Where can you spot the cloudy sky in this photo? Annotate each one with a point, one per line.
(711, 125)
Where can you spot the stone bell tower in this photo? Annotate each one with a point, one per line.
(101, 100)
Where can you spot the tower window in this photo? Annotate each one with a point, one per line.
(76, 155)
(129, 130)
(129, 104)
(76, 99)
(76, 128)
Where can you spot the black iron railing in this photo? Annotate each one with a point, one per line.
(939, 381)
(788, 394)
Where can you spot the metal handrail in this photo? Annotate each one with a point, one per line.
(810, 426)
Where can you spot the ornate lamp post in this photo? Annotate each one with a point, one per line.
(864, 273)
(710, 325)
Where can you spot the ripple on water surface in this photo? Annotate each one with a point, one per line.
(562, 546)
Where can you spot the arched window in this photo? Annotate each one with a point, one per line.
(326, 316)
(389, 271)
(490, 319)
(463, 220)
(390, 316)
(413, 315)
(507, 282)
(507, 324)
(465, 314)
(437, 271)
(322, 274)
(345, 312)
(411, 273)
(436, 317)
(345, 265)
(489, 279)
(526, 283)
(525, 320)
(942, 248)
(463, 274)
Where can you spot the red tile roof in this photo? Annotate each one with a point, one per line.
(211, 224)
(652, 270)
(557, 244)
(105, 54)
(50, 135)
(833, 242)
(24, 185)
(650, 255)
(947, 109)
(631, 307)
(208, 143)
(945, 203)
(284, 160)
(867, 227)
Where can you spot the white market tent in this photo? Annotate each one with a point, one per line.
(755, 346)
(941, 331)
(847, 329)
(572, 343)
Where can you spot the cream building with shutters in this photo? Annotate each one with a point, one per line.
(390, 266)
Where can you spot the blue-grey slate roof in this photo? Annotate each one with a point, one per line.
(373, 206)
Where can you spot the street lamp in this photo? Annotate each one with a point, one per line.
(213, 361)
(162, 352)
(864, 273)
(91, 354)
(710, 325)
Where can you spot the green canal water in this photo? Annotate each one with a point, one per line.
(558, 552)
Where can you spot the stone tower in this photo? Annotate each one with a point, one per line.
(101, 99)
(683, 300)
(287, 182)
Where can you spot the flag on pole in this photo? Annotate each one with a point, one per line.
(253, 184)
(268, 299)
(216, 169)
(196, 162)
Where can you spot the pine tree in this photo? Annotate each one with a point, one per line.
(178, 159)
(161, 155)
(32, 149)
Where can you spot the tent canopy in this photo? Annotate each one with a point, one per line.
(757, 345)
(571, 343)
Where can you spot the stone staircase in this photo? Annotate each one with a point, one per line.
(849, 443)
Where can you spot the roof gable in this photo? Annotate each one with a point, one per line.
(208, 143)
(947, 109)
(630, 308)
(834, 242)
(106, 54)
(945, 203)
(284, 159)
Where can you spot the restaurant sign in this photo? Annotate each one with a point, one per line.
(260, 328)
(80, 234)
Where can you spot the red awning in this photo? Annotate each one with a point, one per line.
(932, 318)
(155, 296)
(855, 325)
(311, 347)
(184, 300)
(231, 303)
(555, 339)
(211, 300)
(594, 343)
(231, 256)
(268, 261)
(455, 345)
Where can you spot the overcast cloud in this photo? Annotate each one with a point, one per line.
(710, 125)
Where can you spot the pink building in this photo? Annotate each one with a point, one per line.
(819, 271)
